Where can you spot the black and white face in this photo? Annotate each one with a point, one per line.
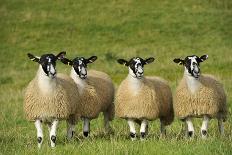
(79, 64)
(136, 65)
(192, 64)
(47, 62)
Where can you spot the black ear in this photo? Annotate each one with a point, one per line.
(179, 61)
(32, 57)
(149, 60)
(123, 62)
(203, 58)
(61, 55)
(91, 59)
(66, 61)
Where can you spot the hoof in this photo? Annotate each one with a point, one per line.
(190, 133)
(133, 136)
(143, 134)
(73, 132)
(204, 132)
(39, 139)
(86, 134)
(53, 139)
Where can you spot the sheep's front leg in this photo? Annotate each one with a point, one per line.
(220, 126)
(53, 132)
(190, 127)
(204, 126)
(86, 128)
(38, 125)
(132, 129)
(143, 128)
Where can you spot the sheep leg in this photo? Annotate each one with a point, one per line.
(70, 128)
(86, 128)
(143, 129)
(220, 126)
(38, 125)
(204, 126)
(53, 132)
(162, 128)
(106, 121)
(132, 129)
(49, 127)
(190, 127)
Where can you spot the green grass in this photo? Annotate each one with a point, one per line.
(112, 29)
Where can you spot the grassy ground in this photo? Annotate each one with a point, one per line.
(112, 29)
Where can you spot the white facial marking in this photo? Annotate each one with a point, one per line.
(52, 69)
(138, 69)
(194, 67)
(193, 59)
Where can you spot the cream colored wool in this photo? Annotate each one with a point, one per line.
(97, 95)
(210, 99)
(153, 100)
(60, 103)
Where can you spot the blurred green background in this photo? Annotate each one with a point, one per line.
(164, 29)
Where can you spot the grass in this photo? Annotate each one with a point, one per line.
(112, 29)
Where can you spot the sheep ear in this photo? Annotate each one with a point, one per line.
(179, 61)
(91, 59)
(61, 55)
(203, 58)
(66, 61)
(32, 57)
(123, 62)
(149, 60)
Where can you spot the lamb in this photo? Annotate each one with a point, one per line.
(96, 93)
(139, 99)
(199, 96)
(49, 97)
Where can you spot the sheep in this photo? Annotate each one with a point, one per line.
(199, 96)
(96, 92)
(139, 99)
(49, 97)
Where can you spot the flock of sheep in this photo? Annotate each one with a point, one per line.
(51, 97)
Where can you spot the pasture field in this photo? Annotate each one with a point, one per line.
(165, 29)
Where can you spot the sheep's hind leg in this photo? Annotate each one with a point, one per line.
(132, 129)
(107, 122)
(220, 126)
(53, 132)
(190, 127)
(143, 129)
(162, 128)
(38, 125)
(86, 128)
(70, 127)
(204, 126)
